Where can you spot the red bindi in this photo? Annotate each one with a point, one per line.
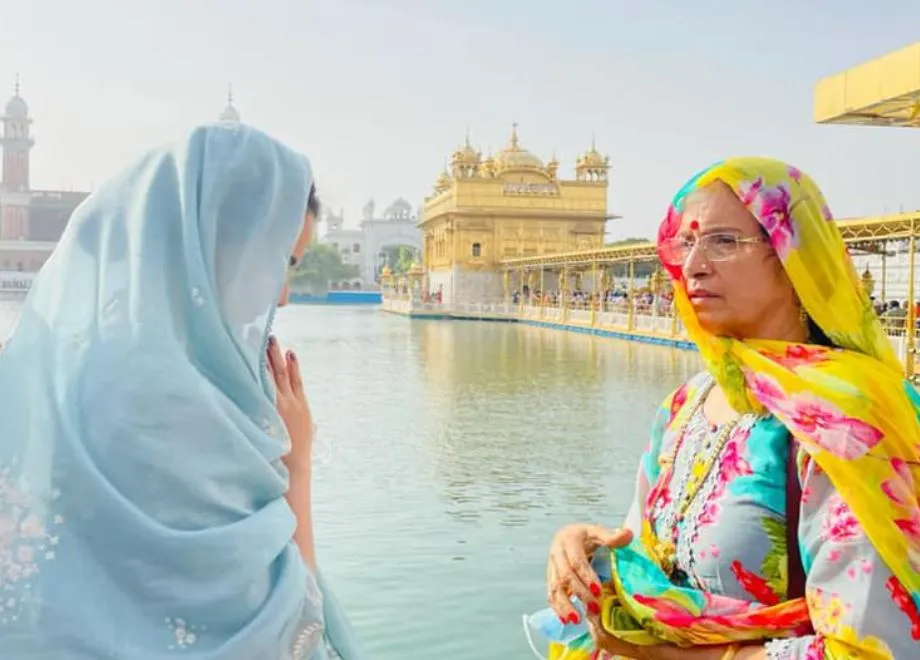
(694, 225)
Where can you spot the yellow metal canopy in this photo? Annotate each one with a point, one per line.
(882, 92)
(862, 234)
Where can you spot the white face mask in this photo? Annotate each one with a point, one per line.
(546, 625)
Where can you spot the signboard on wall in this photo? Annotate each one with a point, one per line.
(529, 189)
(15, 281)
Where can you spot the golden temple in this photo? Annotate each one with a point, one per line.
(510, 205)
(506, 239)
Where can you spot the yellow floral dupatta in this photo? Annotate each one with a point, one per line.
(850, 407)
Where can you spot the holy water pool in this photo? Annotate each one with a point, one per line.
(448, 454)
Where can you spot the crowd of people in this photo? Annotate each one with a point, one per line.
(894, 313)
(645, 301)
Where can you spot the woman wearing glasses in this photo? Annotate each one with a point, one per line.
(802, 427)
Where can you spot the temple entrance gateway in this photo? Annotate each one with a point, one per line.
(367, 246)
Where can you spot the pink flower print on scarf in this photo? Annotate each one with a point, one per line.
(900, 489)
(765, 389)
(839, 523)
(797, 355)
(829, 427)
(749, 190)
(771, 207)
(817, 420)
(774, 214)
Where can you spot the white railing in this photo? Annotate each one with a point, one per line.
(484, 309)
(899, 339)
(611, 317)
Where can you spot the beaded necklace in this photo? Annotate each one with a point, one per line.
(705, 460)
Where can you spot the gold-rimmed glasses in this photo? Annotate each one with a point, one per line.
(718, 246)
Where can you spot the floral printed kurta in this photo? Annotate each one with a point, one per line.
(733, 538)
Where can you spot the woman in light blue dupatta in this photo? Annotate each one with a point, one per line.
(144, 481)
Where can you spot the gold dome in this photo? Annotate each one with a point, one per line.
(466, 154)
(443, 182)
(593, 158)
(514, 157)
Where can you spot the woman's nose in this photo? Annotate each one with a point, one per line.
(696, 264)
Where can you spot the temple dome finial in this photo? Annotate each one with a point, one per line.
(16, 107)
(230, 113)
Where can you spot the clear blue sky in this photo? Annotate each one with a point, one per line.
(378, 92)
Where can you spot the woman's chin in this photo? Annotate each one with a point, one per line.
(713, 322)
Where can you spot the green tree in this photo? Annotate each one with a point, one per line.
(321, 264)
(399, 257)
(627, 241)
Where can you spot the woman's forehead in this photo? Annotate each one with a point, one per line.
(716, 207)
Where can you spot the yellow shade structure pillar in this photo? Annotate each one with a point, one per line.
(542, 290)
(564, 293)
(595, 298)
(521, 276)
(910, 361)
(631, 297)
(884, 291)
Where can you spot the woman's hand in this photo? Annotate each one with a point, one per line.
(292, 405)
(295, 412)
(569, 572)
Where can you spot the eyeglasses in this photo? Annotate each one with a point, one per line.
(715, 247)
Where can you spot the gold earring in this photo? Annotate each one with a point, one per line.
(806, 322)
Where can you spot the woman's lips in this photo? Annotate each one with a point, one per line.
(702, 294)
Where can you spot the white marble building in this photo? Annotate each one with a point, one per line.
(363, 246)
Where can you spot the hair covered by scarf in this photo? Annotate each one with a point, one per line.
(142, 495)
(850, 407)
(792, 211)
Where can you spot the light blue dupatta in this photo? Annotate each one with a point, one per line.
(142, 510)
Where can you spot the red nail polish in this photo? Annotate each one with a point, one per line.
(594, 608)
(562, 620)
(574, 618)
(596, 589)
